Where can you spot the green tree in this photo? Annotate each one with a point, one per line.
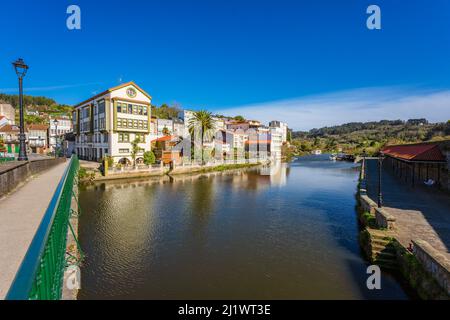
(2, 145)
(203, 121)
(239, 118)
(149, 157)
(135, 149)
(165, 131)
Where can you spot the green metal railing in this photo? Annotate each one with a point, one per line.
(6, 159)
(40, 276)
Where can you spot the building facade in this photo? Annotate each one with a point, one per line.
(280, 127)
(164, 127)
(37, 137)
(108, 123)
(9, 112)
(10, 137)
(59, 130)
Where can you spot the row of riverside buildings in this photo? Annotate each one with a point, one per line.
(107, 124)
(39, 138)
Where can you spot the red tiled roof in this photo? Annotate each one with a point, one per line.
(36, 126)
(416, 152)
(164, 138)
(9, 128)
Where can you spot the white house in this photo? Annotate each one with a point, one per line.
(59, 129)
(282, 128)
(107, 123)
(8, 112)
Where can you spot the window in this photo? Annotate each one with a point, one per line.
(124, 137)
(124, 150)
(101, 123)
(101, 106)
(130, 109)
(105, 138)
(141, 137)
(145, 111)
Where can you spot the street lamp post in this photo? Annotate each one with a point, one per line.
(21, 69)
(56, 135)
(380, 166)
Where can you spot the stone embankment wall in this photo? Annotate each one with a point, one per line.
(12, 175)
(426, 271)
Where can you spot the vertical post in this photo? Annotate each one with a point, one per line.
(439, 176)
(380, 194)
(22, 145)
(56, 138)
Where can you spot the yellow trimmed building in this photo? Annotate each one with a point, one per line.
(107, 123)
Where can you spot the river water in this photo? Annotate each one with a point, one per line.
(286, 232)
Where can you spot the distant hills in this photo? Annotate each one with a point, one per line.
(45, 106)
(49, 107)
(356, 137)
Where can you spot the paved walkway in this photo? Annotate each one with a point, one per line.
(20, 215)
(421, 212)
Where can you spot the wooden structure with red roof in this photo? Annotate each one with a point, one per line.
(163, 149)
(420, 161)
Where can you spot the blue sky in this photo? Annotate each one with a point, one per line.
(310, 63)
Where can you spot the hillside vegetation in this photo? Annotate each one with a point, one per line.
(49, 107)
(45, 106)
(369, 137)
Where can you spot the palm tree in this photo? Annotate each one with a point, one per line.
(202, 120)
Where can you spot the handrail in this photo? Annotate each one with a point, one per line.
(40, 275)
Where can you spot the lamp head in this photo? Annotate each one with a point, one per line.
(21, 68)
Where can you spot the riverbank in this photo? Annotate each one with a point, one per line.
(91, 176)
(425, 270)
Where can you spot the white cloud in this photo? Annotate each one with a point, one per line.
(365, 104)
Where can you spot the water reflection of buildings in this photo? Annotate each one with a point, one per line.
(276, 173)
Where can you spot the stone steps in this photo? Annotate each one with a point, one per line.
(383, 248)
(386, 263)
(383, 252)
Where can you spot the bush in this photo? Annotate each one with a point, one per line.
(149, 157)
(109, 160)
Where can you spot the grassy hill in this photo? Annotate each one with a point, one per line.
(46, 106)
(356, 137)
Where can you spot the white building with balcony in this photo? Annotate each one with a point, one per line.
(108, 123)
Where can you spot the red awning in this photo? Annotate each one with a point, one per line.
(416, 152)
